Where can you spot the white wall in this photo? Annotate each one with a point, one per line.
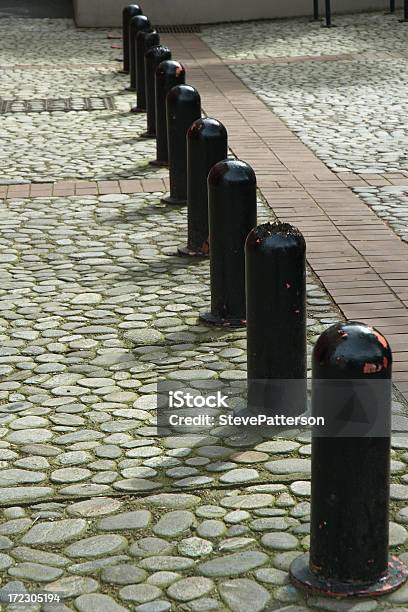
(107, 13)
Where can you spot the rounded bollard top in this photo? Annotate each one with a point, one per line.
(145, 33)
(182, 93)
(140, 22)
(269, 238)
(158, 52)
(207, 128)
(351, 350)
(231, 171)
(149, 36)
(169, 68)
(132, 9)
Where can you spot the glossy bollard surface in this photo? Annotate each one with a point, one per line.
(351, 389)
(207, 144)
(183, 107)
(128, 12)
(153, 57)
(168, 74)
(232, 215)
(275, 263)
(145, 40)
(137, 24)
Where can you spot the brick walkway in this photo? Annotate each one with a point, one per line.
(359, 259)
(71, 187)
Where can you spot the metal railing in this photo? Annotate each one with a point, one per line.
(328, 11)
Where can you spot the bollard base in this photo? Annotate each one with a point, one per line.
(190, 252)
(173, 201)
(148, 135)
(137, 109)
(157, 162)
(130, 88)
(210, 319)
(302, 577)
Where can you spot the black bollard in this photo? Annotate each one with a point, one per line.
(168, 74)
(315, 10)
(232, 215)
(144, 40)
(392, 6)
(183, 107)
(153, 57)
(207, 144)
(275, 266)
(405, 10)
(128, 12)
(351, 389)
(137, 24)
(328, 13)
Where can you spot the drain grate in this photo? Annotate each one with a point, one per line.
(178, 29)
(54, 104)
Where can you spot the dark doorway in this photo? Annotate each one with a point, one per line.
(36, 8)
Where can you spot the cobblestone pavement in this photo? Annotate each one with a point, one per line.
(55, 60)
(391, 204)
(350, 112)
(95, 310)
(367, 32)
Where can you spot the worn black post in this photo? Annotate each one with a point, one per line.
(405, 10)
(153, 58)
(144, 40)
(392, 6)
(328, 13)
(128, 12)
(207, 144)
(183, 107)
(276, 319)
(168, 74)
(351, 390)
(316, 10)
(232, 215)
(137, 24)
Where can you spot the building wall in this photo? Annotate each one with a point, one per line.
(107, 13)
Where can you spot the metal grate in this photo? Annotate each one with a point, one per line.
(178, 29)
(54, 104)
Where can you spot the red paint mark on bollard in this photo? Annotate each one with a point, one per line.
(371, 368)
(380, 338)
(205, 248)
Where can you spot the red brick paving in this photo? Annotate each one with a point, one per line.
(70, 188)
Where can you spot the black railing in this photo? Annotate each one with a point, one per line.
(328, 12)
